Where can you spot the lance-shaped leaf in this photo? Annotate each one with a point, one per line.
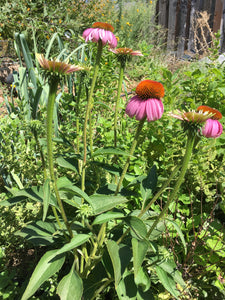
(47, 266)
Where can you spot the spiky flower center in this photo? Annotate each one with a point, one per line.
(150, 89)
(216, 115)
(103, 25)
(124, 51)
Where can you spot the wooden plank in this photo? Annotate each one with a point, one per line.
(223, 30)
(182, 19)
(218, 13)
(171, 25)
(163, 15)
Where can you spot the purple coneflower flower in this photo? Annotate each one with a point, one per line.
(147, 102)
(213, 128)
(101, 31)
(55, 66)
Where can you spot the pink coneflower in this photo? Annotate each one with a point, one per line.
(147, 102)
(213, 128)
(192, 116)
(205, 120)
(101, 31)
(56, 67)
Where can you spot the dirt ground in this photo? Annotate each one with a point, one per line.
(7, 66)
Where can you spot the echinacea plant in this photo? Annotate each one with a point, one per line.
(102, 34)
(91, 233)
(193, 122)
(146, 104)
(54, 71)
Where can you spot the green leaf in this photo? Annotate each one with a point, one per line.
(71, 286)
(108, 151)
(142, 280)
(167, 281)
(101, 203)
(65, 184)
(170, 267)
(48, 265)
(68, 163)
(179, 233)
(35, 193)
(127, 289)
(137, 226)
(46, 198)
(38, 233)
(148, 185)
(120, 256)
(75, 242)
(140, 249)
(105, 217)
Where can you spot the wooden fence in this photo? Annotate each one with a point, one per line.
(191, 24)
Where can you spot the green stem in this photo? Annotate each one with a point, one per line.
(88, 114)
(133, 146)
(41, 153)
(50, 107)
(143, 211)
(122, 67)
(166, 183)
(186, 159)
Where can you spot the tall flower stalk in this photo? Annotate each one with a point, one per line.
(186, 159)
(123, 55)
(102, 34)
(53, 71)
(194, 123)
(88, 114)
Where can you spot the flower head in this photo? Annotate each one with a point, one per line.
(191, 116)
(216, 114)
(204, 120)
(101, 32)
(147, 102)
(212, 129)
(126, 52)
(56, 67)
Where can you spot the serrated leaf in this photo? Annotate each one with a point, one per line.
(48, 265)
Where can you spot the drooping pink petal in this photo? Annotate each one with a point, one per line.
(96, 34)
(154, 109)
(212, 129)
(141, 110)
(132, 106)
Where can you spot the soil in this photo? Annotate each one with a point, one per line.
(7, 66)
